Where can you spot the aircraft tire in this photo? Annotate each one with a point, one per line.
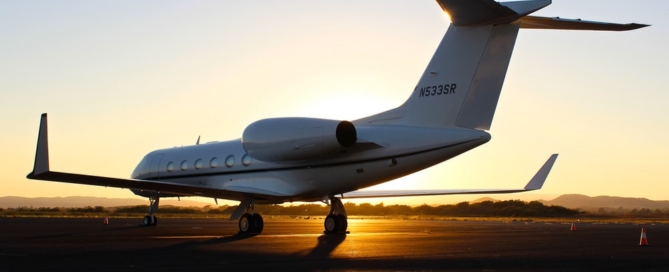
(343, 222)
(246, 224)
(331, 223)
(154, 220)
(258, 223)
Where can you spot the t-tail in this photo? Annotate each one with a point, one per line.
(463, 81)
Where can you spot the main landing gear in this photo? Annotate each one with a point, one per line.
(336, 221)
(150, 219)
(250, 222)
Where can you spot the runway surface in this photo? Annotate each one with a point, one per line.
(299, 245)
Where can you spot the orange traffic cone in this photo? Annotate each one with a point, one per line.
(573, 227)
(106, 221)
(644, 240)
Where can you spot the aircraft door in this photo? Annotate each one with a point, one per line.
(154, 171)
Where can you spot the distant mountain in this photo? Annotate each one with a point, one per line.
(483, 199)
(83, 201)
(576, 201)
(571, 201)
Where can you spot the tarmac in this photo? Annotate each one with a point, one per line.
(28, 244)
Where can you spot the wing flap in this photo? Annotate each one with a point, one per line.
(534, 184)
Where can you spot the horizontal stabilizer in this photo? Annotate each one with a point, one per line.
(535, 184)
(534, 22)
(487, 12)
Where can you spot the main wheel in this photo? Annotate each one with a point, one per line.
(331, 223)
(343, 222)
(147, 221)
(154, 220)
(258, 223)
(246, 223)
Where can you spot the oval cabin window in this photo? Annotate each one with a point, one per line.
(170, 167)
(198, 164)
(230, 161)
(184, 165)
(246, 160)
(213, 163)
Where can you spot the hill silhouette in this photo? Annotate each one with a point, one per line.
(508, 208)
(577, 201)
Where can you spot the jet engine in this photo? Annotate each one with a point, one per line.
(297, 139)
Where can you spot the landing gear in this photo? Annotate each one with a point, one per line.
(250, 222)
(336, 221)
(150, 219)
(258, 223)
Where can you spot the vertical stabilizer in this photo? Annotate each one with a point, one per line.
(463, 81)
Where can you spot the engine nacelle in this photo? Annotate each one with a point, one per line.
(297, 139)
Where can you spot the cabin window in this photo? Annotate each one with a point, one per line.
(170, 167)
(184, 165)
(198, 164)
(213, 163)
(230, 161)
(246, 160)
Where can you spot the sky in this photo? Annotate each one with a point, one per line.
(122, 78)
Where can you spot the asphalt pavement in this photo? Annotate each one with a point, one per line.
(28, 244)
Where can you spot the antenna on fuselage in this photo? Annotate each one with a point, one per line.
(198, 140)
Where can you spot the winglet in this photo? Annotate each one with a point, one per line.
(42, 153)
(540, 177)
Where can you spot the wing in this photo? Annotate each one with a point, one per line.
(41, 171)
(535, 184)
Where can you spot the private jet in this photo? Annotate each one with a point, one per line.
(279, 160)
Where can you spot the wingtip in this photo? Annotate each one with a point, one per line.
(540, 177)
(42, 153)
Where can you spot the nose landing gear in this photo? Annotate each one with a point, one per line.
(150, 219)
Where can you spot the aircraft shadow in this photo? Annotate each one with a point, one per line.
(214, 241)
(327, 243)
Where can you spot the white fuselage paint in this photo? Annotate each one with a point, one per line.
(398, 151)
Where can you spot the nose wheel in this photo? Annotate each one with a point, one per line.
(151, 219)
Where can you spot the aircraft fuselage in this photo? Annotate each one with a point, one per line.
(226, 165)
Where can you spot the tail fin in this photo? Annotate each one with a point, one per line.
(463, 81)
